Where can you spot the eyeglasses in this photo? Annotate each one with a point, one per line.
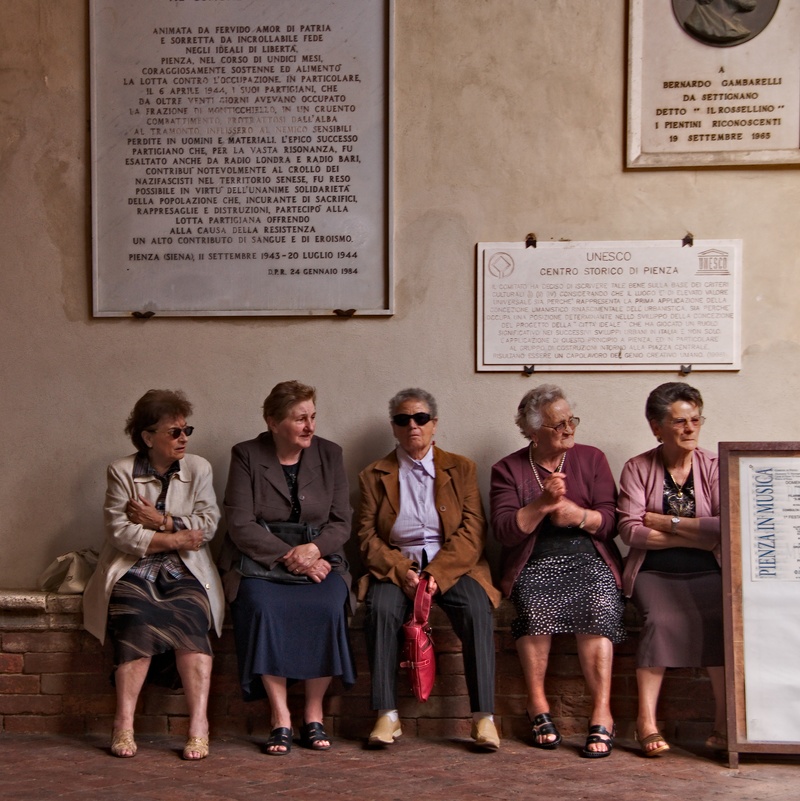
(681, 422)
(573, 423)
(420, 418)
(174, 432)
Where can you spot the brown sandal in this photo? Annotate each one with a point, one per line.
(196, 745)
(655, 737)
(122, 742)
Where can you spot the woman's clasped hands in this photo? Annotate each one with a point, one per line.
(305, 560)
(562, 511)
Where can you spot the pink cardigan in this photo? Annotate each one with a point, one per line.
(641, 489)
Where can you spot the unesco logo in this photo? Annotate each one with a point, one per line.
(712, 262)
(501, 265)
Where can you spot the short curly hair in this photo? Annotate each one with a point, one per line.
(151, 408)
(529, 411)
(664, 395)
(285, 395)
(413, 393)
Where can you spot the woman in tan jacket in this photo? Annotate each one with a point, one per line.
(422, 518)
(155, 590)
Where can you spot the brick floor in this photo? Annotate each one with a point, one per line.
(34, 768)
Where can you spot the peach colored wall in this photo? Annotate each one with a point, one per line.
(509, 118)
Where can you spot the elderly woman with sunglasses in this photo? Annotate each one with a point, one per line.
(552, 510)
(669, 516)
(156, 591)
(422, 519)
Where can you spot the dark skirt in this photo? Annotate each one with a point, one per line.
(572, 594)
(681, 619)
(156, 618)
(298, 631)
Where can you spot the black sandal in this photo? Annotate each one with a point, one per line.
(312, 734)
(280, 737)
(542, 726)
(599, 734)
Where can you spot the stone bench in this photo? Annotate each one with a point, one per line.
(54, 678)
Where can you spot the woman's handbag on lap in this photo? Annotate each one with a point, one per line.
(292, 534)
(418, 656)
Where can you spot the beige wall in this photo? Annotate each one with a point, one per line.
(509, 118)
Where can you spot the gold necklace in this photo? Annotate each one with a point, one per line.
(678, 486)
(536, 472)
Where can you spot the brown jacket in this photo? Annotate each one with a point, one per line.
(257, 489)
(463, 524)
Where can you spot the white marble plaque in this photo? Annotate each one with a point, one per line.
(713, 82)
(646, 305)
(240, 156)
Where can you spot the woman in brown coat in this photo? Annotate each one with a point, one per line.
(422, 518)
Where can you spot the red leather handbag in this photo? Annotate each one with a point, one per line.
(418, 656)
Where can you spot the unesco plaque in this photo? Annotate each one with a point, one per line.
(646, 305)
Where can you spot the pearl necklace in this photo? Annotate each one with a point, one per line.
(559, 469)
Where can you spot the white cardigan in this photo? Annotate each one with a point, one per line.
(191, 497)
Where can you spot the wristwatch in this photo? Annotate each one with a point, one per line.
(675, 523)
(163, 526)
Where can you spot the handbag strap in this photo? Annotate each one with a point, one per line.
(422, 603)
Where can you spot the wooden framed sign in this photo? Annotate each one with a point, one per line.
(760, 511)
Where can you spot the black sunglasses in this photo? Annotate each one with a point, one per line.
(174, 432)
(420, 418)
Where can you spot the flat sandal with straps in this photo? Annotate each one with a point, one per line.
(542, 726)
(599, 735)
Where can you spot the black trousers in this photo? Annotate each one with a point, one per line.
(470, 612)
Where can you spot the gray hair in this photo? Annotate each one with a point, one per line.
(529, 411)
(664, 395)
(413, 393)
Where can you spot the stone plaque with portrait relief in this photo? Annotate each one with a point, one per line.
(713, 82)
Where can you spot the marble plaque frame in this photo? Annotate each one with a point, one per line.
(706, 96)
(266, 88)
(609, 306)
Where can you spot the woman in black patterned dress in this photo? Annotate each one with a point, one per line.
(552, 509)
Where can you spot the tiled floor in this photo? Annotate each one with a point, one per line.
(37, 768)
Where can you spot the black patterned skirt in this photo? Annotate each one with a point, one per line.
(156, 618)
(570, 594)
